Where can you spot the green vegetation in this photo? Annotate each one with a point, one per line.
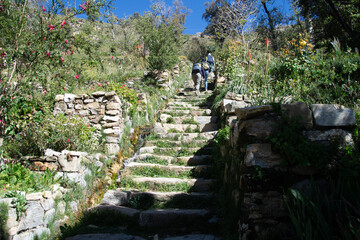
(154, 160)
(328, 212)
(15, 177)
(102, 218)
(159, 172)
(57, 133)
(223, 136)
(295, 149)
(45, 51)
(129, 184)
(190, 121)
(175, 153)
(165, 144)
(170, 120)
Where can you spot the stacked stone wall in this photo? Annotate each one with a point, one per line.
(43, 208)
(254, 175)
(101, 109)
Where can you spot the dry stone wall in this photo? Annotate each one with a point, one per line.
(43, 209)
(255, 183)
(101, 109)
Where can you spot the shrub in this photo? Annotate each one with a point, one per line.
(296, 149)
(57, 133)
(16, 177)
(328, 213)
(222, 136)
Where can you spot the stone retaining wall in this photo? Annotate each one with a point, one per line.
(101, 109)
(254, 177)
(43, 207)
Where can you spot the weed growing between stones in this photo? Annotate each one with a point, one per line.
(154, 160)
(165, 144)
(16, 177)
(174, 153)
(98, 217)
(129, 184)
(190, 121)
(289, 141)
(159, 172)
(173, 130)
(327, 211)
(170, 120)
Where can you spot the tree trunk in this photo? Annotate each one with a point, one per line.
(337, 15)
(272, 27)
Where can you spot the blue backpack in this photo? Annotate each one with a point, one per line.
(210, 59)
(196, 67)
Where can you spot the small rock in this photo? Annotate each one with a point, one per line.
(98, 94)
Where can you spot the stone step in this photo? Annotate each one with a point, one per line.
(184, 108)
(192, 93)
(202, 226)
(190, 161)
(176, 151)
(189, 136)
(170, 127)
(191, 237)
(194, 171)
(123, 236)
(104, 236)
(173, 219)
(197, 185)
(184, 128)
(154, 149)
(180, 104)
(194, 160)
(165, 118)
(200, 112)
(179, 143)
(166, 199)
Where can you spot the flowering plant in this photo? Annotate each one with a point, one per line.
(38, 48)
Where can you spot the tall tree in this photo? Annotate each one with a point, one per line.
(161, 30)
(334, 18)
(227, 18)
(270, 18)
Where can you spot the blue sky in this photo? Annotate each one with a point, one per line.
(194, 22)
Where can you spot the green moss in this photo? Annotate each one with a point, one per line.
(129, 184)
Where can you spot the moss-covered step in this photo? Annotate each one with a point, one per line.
(188, 136)
(195, 185)
(172, 143)
(176, 171)
(175, 112)
(151, 200)
(166, 118)
(165, 160)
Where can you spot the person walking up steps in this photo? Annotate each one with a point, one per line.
(210, 60)
(205, 65)
(197, 74)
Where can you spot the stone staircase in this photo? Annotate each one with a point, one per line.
(166, 190)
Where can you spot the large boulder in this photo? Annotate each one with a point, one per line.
(261, 155)
(251, 112)
(329, 115)
(300, 111)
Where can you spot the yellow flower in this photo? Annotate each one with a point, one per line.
(302, 43)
